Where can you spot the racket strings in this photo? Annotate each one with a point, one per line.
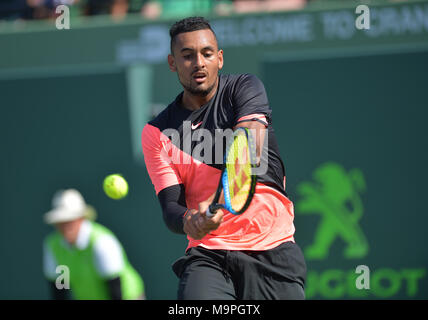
(238, 165)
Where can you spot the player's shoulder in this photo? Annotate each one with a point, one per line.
(239, 77)
(151, 135)
(163, 119)
(157, 124)
(240, 81)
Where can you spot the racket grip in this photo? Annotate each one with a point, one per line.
(210, 213)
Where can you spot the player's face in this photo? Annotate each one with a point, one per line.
(197, 60)
(69, 230)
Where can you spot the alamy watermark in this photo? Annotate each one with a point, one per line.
(63, 20)
(363, 20)
(63, 280)
(363, 280)
(207, 146)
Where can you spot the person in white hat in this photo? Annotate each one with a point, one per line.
(97, 264)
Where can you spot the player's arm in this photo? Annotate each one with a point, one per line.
(258, 131)
(173, 204)
(252, 109)
(180, 219)
(168, 186)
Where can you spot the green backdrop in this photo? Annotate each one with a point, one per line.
(366, 113)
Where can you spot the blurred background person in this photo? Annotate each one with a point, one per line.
(181, 8)
(247, 6)
(149, 9)
(15, 9)
(119, 9)
(46, 9)
(98, 266)
(97, 7)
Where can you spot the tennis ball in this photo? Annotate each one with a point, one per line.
(115, 186)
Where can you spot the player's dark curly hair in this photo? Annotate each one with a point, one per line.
(188, 25)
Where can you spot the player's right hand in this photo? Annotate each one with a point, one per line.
(197, 225)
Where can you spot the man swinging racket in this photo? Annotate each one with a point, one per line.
(242, 249)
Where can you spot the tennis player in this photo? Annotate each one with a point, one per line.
(247, 256)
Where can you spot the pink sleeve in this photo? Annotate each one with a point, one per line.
(159, 166)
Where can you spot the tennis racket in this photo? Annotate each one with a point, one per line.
(237, 179)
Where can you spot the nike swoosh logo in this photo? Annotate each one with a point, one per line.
(196, 126)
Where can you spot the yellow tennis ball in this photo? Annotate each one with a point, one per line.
(115, 186)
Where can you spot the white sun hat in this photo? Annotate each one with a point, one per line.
(68, 205)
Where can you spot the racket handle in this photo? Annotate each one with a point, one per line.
(210, 213)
